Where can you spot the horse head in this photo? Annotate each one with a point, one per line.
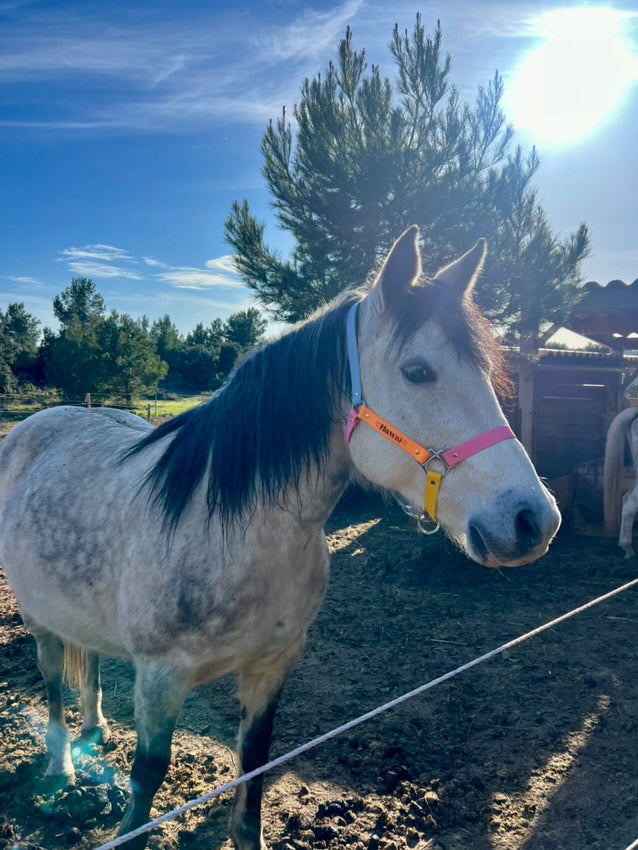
(427, 364)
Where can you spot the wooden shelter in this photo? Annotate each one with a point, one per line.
(574, 395)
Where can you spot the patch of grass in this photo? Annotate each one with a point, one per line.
(168, 407)
(16, 407)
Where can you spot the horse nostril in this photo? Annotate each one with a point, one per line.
(528, 530)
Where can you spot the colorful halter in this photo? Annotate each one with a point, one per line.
(360, 412)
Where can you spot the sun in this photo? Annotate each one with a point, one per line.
(576, 79)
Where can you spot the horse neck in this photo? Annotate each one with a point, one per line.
(321, 488)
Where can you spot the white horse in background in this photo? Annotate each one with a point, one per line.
(623, 430)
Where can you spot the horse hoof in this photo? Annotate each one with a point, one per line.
(138, 843)
(59, 777)
(629, 554)
(248, 839)
(99, 735)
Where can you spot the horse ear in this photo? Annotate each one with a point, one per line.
(462, 274)
(400, 269)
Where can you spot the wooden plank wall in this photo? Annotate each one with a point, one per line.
(573, 408)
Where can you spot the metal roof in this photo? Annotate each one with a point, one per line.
(566, 357)
(602, 359)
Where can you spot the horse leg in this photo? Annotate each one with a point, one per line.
(629, 510)
(51, 664)
(260, 685)
(159, 696)
(94, 726)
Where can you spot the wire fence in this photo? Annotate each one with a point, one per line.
(43, 399)
(357, 721)
(16, 406)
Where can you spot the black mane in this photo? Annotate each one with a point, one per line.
(271, 422)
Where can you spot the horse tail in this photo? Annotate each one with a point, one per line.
(614, 465)
(75, 665)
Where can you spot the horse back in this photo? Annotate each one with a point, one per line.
(64, 501)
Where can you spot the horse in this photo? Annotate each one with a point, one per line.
(622, 431)
(197, 548)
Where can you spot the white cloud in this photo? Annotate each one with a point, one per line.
(99, 261)
(310, 34)
(238, 301)
(21, 279)
(151, 261)
(224, 264)
(193, 278)
(105, 253)
(102, 270)
(232, 65)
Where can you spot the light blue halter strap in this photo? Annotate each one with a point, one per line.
(353, 356)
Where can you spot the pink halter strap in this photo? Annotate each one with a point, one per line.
(478, 444)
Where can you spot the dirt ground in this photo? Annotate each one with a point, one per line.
(535, 750)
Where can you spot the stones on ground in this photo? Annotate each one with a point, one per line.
(73, 835)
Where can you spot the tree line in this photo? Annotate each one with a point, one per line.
(111, 353)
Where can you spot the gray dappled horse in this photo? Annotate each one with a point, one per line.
(622, 431)
(197, 548)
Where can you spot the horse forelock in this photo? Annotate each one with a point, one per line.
(462, 322)
(268, 425)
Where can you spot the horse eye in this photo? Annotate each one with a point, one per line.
(418, 373)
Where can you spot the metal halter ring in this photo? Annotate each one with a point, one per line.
(427, 525)
(436, 454)
(424, 523)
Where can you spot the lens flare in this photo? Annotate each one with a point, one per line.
(576, 79)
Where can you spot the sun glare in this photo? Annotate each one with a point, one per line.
(576, 79)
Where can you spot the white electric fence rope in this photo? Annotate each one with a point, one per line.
(357, 721)
(633, 845)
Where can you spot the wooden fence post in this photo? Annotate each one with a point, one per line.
(87, 400)
(148, 412)
(526, 392)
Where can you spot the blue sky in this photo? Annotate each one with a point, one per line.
(127, 129)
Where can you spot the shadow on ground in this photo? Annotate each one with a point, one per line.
(534, 751)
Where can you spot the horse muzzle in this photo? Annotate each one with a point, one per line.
(511, 538)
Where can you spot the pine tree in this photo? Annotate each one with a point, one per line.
(369, 158)
(534, 275)
(168, 339)
(79, 302)
(72, 358)
(131, 365)
(18, 344)
(245, 328)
